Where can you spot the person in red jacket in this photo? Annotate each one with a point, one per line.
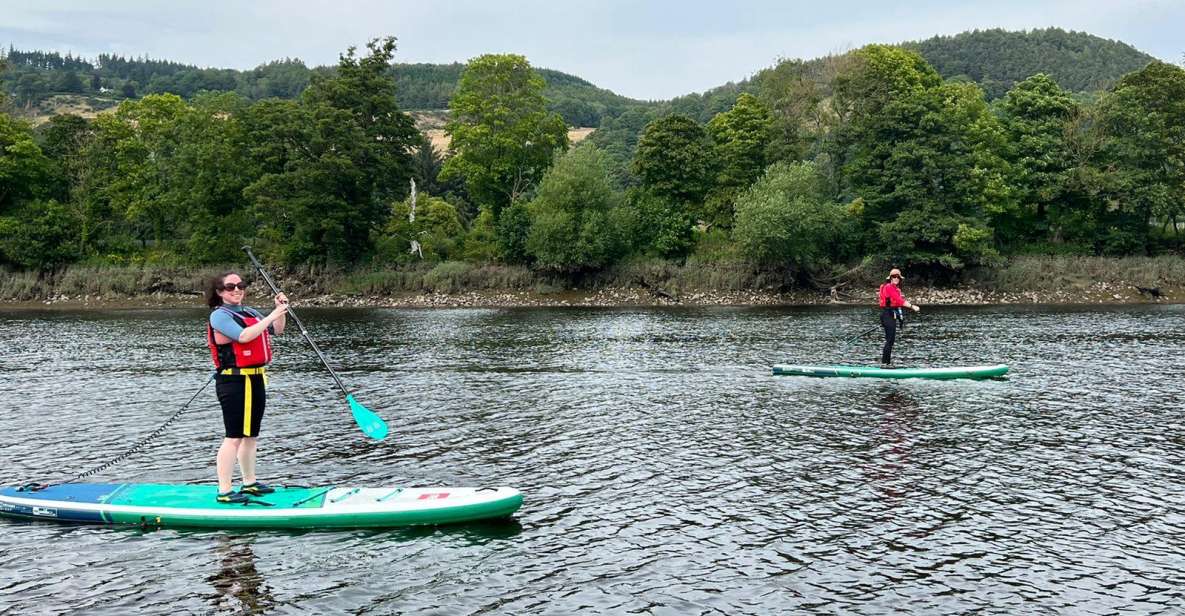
(891, 302)
(239, 339)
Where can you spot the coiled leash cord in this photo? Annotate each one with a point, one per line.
(35, 486)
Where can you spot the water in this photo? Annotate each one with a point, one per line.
(665, 471)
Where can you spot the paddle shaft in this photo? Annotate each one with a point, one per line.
(292, 313)
(860, 335)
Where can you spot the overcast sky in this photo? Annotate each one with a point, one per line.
(646, 50)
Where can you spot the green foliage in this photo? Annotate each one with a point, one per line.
(1035, 115)
(330, 162)
(658, 225)
(785, 220)
(511, 232)
(39, 235)
(146, 131)
(933, 178)
(435, 227)
(24, 169)
(363, 88)
(481, 240)
(503, 137)
(572, 227)
(740, 137)
(997, 59)
(618, 137)
(674, 159)
(794, 96)
(922, 155)
(1144, 118)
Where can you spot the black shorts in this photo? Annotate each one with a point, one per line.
(243, 399)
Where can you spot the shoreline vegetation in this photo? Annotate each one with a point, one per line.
(804, 188)
(1021, 280)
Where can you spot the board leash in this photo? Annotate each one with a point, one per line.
(35, 486)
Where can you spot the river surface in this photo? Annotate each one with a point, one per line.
(665, 471)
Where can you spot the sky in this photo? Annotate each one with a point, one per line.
(637, 48)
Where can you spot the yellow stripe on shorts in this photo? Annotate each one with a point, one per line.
(247, 407)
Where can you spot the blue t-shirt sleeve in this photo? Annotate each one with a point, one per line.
(222, 322)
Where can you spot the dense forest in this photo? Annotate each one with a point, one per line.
(995, 59)
(33, 77)
(807, 169)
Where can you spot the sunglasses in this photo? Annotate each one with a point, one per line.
(231, 286)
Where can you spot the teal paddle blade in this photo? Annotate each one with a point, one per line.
(372, 425)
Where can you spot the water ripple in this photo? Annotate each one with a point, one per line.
(665, 471)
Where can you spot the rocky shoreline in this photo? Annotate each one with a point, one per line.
(1098, 293)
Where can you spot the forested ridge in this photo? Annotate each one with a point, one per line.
(995, 59)
(808, 170)
(35, 76)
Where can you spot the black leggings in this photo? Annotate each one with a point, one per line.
(889, 322)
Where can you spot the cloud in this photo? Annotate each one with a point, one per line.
(656, 49)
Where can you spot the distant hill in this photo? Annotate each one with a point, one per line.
(995, 59)
(998, 59)
(39, 81)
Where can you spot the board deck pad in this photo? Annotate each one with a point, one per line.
(288, 507)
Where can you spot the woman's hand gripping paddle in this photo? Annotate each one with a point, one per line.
(371, 424)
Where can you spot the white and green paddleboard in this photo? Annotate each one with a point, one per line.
(958, 372)
(164, 505)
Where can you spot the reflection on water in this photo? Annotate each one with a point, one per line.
(897, 414)
(239, 587)
(664, 470)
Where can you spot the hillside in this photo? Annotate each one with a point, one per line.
(997, 59)
(36, 81)
(42, 83)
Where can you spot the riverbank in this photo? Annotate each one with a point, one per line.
(1102, 293)
(1023, 280)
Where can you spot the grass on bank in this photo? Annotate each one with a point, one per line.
(1022, 273)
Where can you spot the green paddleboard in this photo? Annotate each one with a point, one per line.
(960, 372)
(167, 505)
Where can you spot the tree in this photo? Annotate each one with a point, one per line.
(785, 220)
(572, 226)
(145, 132)
(1144, 117)
(68, 81)
(1035, 114)
(674, 159)
(659, 225)
(63, 138)
(502, 136)
(24, 169)
(39, 236)
(435, 228)
(207, 175)
(924, 157)
(331, 164)
(365, 88)
(797, 115)
(740, 137)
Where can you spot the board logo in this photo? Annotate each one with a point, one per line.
(434, 496)
(45, 512)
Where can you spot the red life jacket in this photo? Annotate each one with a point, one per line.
(237, 354)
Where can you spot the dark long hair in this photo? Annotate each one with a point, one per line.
(213, 299)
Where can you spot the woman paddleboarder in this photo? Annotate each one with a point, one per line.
(891, 302)
(240, 345)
